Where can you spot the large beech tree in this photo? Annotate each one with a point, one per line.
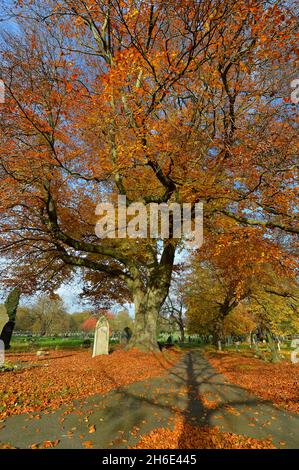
(159, 101)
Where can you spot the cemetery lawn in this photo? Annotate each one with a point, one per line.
(278, 383)
(24, 344)
(47, 382)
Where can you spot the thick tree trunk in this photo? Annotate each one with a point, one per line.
(273, 348)
(149, 298)
(255, 345)
(218, 334)
(147, 308)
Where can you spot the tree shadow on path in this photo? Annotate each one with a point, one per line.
(234, 410)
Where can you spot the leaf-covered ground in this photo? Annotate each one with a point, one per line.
(278, 383)
(48, 382)
(188, 406)
(186, 436)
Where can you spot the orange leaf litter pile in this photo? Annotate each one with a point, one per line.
(186, 436)
(62, 377)
(278, 383)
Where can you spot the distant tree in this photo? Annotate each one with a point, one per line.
(25, 319)
(77, 319)
(50, 316)
(72, 325)
(89, 324)
(121, 320)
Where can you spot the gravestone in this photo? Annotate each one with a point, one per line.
(11, 306)
(3, 319)
(42, 352)
(126, 336)
(101, 337)
(295, 354)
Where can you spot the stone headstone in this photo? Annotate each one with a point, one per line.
(11, 306)
(295, 354)
(7, 333)
(101, 337)
(41, 352)
(3, 319)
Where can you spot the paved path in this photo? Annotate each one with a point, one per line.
(149, 404)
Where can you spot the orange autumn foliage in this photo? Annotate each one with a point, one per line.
(89, 324)
(186, 436)
(42, 385)
(277, 383)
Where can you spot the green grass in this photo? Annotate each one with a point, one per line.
(23, 344)
(263, 347)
